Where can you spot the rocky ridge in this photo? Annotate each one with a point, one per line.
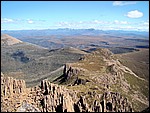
(101, 72)
(9, 40)
(97, 83)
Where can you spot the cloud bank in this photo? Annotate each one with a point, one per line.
(96, 24)
(6, 20)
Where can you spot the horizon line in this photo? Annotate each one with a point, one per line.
(74, 29)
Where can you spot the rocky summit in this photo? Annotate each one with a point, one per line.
(98, 82)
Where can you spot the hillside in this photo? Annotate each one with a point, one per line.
(34, 63)
(137, 61)
(9, 40)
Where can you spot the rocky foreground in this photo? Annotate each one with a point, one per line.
(49, 97)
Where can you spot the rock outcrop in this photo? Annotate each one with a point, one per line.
(69, 71)
(112, 102)
(12, 93)
(107, 102)
(49, 97)
(10, 86)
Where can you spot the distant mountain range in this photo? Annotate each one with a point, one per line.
(74, 32)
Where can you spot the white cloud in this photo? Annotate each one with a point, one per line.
(7, 20)
(120, 22)
(115, 3)
(22, 21)
(94, 23)
(30, 21)
(146, 23)
(81, 24)
(122, 3)
(116, 22)
(134, 14)
(97, 22)
(124, 22)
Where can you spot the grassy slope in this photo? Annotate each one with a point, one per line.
(137, 61)
(42, 62)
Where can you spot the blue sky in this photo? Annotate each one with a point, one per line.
(103, 15)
